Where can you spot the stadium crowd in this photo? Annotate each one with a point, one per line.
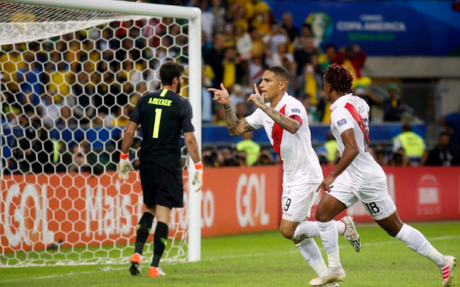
(94, 78)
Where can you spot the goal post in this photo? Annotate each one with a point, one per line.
(122, 11)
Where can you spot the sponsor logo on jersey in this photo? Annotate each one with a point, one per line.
(297, 111)
(341, 122)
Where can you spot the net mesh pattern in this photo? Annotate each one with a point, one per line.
(70, 79)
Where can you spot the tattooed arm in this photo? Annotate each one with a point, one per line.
(236, 127)
(289, 124)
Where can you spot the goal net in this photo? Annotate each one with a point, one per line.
(70, 78)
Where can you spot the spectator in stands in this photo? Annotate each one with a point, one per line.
(256, 69)
(287, 25)
(215, 57)
(276, 58)
(265, 158)
(372, 100)
(331, 148)
(393, 106)
(43, 147)
(305, 32)
(290, 66)
(308, 82)
(379, 153)
(219, 15)
(10, 120)
(121, 117)
(243, 41)
(327, 57)
(237, 96)
(277, 37)
(399, 158)
(79, 162)
(451, 123)
(81, 99)
(232, 67)
(443, 154)
(66, 119)
(98, 121)
(21, 146)
(352, 58)
(50, 109)
(311, 109)
(264, 22)
(207, 19)
(304, 54)
(412, 144)
(30, 78)
(241, 111)
(60, 76)
(209, 157)
(219, 116)
(206, 99)
(258, 48)
(249, 146)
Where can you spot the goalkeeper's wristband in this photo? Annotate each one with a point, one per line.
(124, 155)
(199, 165)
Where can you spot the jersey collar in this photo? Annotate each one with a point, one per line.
(341, 101)
(282, 102)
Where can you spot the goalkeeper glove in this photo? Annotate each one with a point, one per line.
(123, 166)
(198, 176)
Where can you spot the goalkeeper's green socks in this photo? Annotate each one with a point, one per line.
(143, 231)
(160, 240)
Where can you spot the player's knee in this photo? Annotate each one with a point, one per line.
(287, 232)
(322, 216)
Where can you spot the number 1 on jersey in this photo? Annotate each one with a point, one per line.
(156, 124)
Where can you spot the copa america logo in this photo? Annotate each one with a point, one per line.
(321, 25)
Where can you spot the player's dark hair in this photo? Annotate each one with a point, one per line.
(280, 71)
(340, 78)
(169, 71)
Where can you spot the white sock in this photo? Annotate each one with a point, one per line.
(310, 229)
(417, 242)
(310, 252)
(330, 240)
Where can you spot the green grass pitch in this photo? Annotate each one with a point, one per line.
(266, 259)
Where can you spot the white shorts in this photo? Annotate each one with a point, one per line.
(297, 201)
(374, 196)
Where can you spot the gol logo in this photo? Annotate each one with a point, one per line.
(250, 200)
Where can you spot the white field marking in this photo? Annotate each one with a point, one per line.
(107, 268)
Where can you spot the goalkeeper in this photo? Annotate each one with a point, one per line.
(163, 116)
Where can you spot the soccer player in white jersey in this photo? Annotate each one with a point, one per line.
(358, 177)
(285, 121)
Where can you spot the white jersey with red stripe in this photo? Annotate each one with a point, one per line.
(351, 112)
(300, 162)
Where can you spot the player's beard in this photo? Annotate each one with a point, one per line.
(178, 88)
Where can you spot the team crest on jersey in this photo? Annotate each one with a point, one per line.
(297, 111)
(341, 122)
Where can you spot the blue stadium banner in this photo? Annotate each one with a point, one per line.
(381, 28)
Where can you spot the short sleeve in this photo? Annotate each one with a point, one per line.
(294, 108)
(186, 117)
(255, 120)
(341, 120)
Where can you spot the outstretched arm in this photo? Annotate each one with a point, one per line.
(235, 126)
